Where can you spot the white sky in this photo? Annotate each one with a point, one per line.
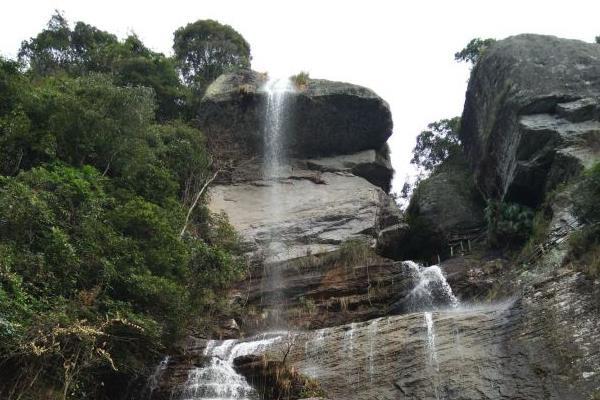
(403, 50)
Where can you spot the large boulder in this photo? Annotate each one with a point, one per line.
(330, 117)
(447, 200)
(531, 116)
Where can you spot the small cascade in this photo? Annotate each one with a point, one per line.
(431, 291)
(349, 340)
(432, 352)
(218, 380)
(154, 379)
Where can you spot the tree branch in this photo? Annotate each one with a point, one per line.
(196, 199)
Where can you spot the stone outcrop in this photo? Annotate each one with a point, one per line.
(319, 292)
(531, 116)
(447, 200)
(329, 117)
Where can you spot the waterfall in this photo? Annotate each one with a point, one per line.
(276, 124)
(313, 352)
(431, 290)
(275, 163)
(218, 380)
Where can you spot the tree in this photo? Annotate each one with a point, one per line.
(474, 50)
(58, 48)
(86, 50)
(205, 49)
(437, 144)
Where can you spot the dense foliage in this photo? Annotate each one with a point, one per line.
(86, 49)
(473, 50)
(205, 49)
(97, 176)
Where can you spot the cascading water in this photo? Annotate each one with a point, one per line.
(218, 380)
(431, 291)
(154, 379)
(275, 163)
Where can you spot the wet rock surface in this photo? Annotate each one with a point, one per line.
(531, 115)
(540, 346)
(321, 293)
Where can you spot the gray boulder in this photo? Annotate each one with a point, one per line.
(531, 115)
(447, 200)
(331, 117)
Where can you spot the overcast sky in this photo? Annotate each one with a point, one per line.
(401, 49)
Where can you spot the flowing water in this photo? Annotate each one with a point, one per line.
(431, 292)
(218, 380)
(154, 379)
(275, 165)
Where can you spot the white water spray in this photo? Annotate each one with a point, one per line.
(218, 380)
(431, 291)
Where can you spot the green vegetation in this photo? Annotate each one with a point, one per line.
(99, 175)
(301, 79)
(508, 224)
(473, 50)
(205, 49)
(437, 144)
(585, 244)
(85, 50)
(440, 142)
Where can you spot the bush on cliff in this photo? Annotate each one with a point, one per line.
(508, 224)
(585, 244)
(473, 50)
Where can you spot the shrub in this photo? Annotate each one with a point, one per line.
(508, 224)
(587, 195)
(301, 79)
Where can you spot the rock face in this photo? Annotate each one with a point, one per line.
(447, 200)
(531, 116)
(330, 117)
(509, 350)
(316, 212)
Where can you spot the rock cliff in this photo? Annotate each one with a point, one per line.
(531, 115)
(493, 327)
